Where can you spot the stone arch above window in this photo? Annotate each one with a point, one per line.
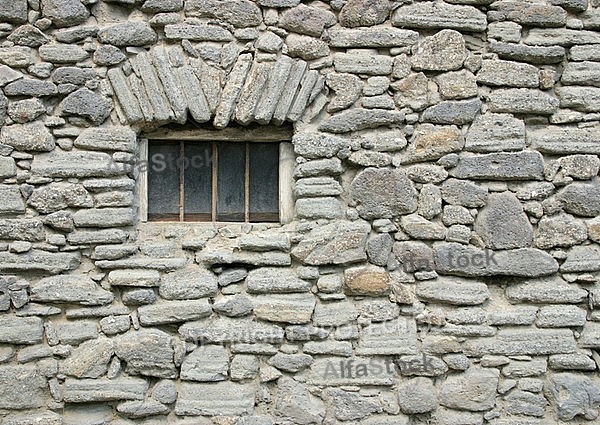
(166, 84)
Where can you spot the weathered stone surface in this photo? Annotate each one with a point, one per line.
(38, 260)
(457, 85)
(90, 359)
(16, 330)
(475, 390)
(64, 13)
(420, 228)
(157, 6)
(62, 53)
(189, 283)
(347, 88)
(453, 112)
(561, 317)
(506, 73)
(33, 136)
(85, 103)
(523, 342)
(224, 329)
(24, 111)
(290, 362)
(398, 336)
(524, 262)
(173, 312)
(560, 37)
(565, 140)
(573, 395)
(522, 101)
(383, 193)
(582, 259)
(111, 139)
(502, 224)
(102, 390)
(28, 35)
(289, 308)
(11, 200)
(130, 33)
(359, 119)
(48, 418)
(369, 280)
(22, 387)
(525, 165)
(439, 15)
(361, 64)
(14, 11)
(147, 352)
(431, 142)
(197, 32)
(581, 199)
(145, 278)
(306, 20)
(78, 289)
(581, 73)
(454, 291)
(209, 363)
(239, 13)
(364, 13)
(531, 54)
(444, 51)
(269, 280)
(496, 132)
(108, 55)
(294, 402)
(351, 406)
(417, 395)
(103, 217)
(535, 14)
(560, 230)
(465, 193)
(334, 314)
(379, 36)
(571, 362)
(545, 291)
(223, 398)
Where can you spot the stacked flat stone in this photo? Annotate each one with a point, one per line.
(443, 263)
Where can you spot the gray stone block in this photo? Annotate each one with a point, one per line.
(78, 289)
(223, 398)
(22, 387)
(372, 37)
(102, 390)
(132, 33)
(525, 165)
(173, 312)
(209, 363)
(511, 342)
(453, 291)
(289, 308)
(438, 16)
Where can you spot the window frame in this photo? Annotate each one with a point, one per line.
(259, 134)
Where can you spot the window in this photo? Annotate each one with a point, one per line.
(207, 175)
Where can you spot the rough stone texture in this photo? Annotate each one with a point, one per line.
(444, 51)
(495, 132)
(475, 390)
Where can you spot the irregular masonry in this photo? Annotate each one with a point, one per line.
(442, 265)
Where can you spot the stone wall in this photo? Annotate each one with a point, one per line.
(443, 263)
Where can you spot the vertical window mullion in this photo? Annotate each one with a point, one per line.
(247, 185)
(181, 181)
(215, 155)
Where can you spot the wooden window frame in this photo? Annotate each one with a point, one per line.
(281, 135)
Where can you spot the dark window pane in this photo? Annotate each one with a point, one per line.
(163, 181)
(198, 181)
(264, 182)
(231, 172)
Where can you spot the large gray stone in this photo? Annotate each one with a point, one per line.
(417, 395)
(523, 262)
(197, 32)
(582, 74)
(78, 289)
(90, 359)
(85, 103)
(306, 20)
(11, 201)
(173, 312)
(147, 352)
(350, 405)
(361, 64)
(533, 342)
(431, 142)
(30, 87)
(110, 138)
(38, 260)
(8, 167)
(290, 362)
(364, 13)
(103, 217)
(502, 224)
(224, 329)
(582, 259)
(289, 308)
(62, 53)
(28, 35)
(439, 15)
(581, 199)
(103, 390)
(546, 291)
(565, 140)
(455, 291)
(379, 36)
(573, 395)
(190, 283)
(474, 390)
(457, 112)
(64, 13)
(525, 165)
(496, 132)
(530, 14)
(132, 33)
(59, 196)
(209, 363)
(522, 101)
(342, 242)
(239, 13)
(562, 230)
(383, 193)
(584, 99)
(334, 314)
(17, 330)
(444, 51)
(507, 73)
(560, 37)
(33, 136)
(360, 119)
(398, 336)
(463, 192)
(14, 11)
(22, 387)
(222, 398)
(269, 280)
(294, 402)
